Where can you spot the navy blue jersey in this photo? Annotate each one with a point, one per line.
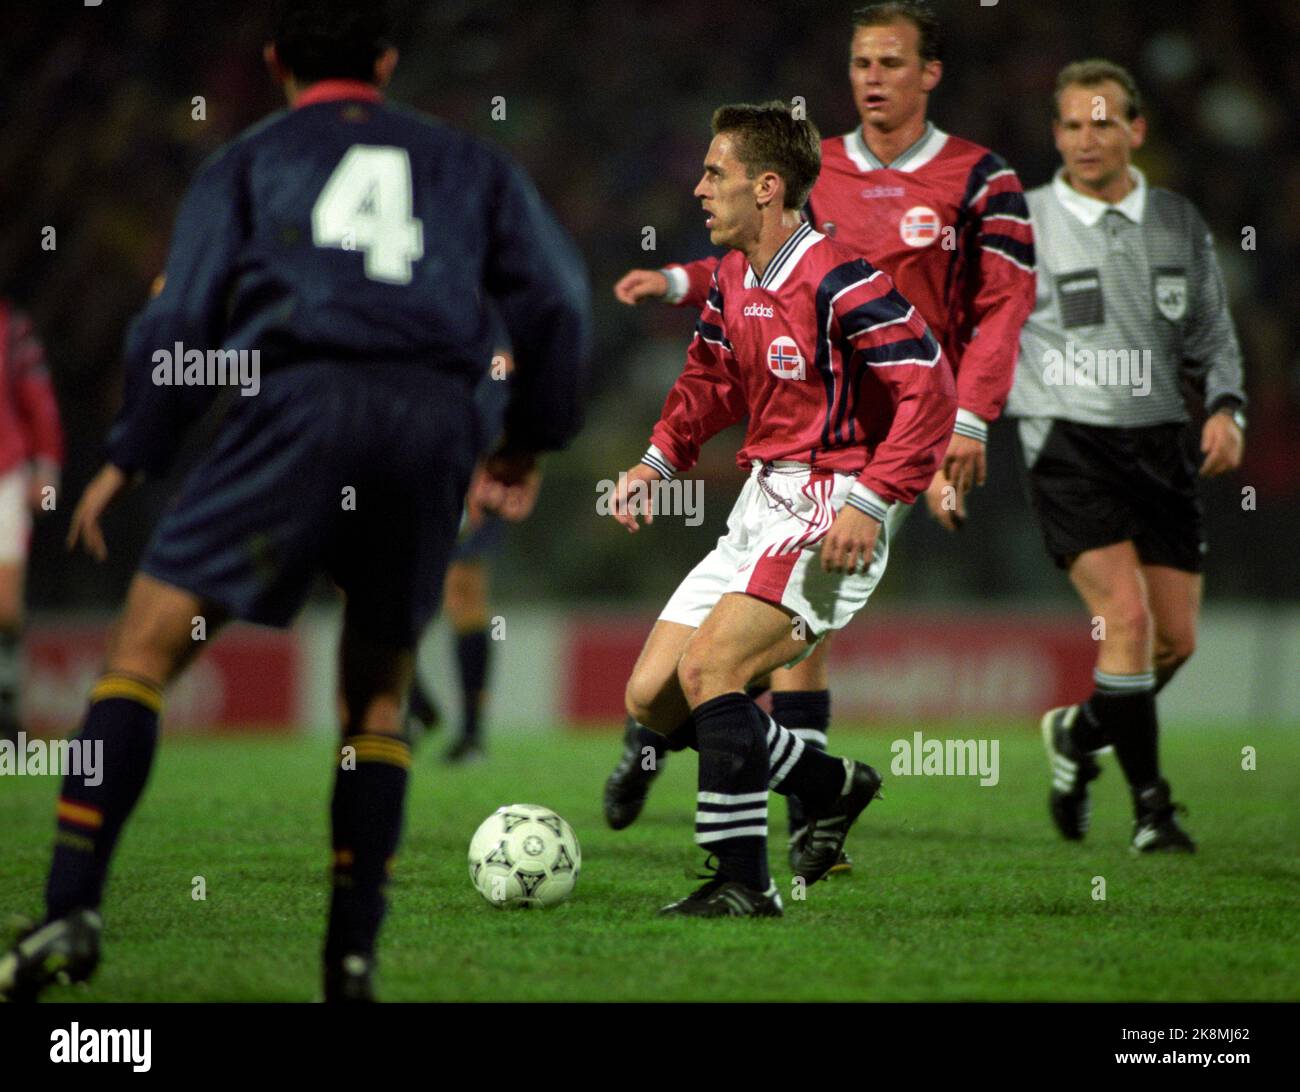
(349, 230)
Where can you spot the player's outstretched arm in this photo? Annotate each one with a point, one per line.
(98, 496)
(637, 285)
(684, 285)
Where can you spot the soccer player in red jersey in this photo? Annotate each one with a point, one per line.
(947, 220)
(31, 456)
(850, 406)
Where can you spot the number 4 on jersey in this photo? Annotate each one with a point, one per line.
(366, 206)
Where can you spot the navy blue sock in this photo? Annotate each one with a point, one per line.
(807, 714)
(472, 655)
(731, 809)
(117, 738)
(366, 814)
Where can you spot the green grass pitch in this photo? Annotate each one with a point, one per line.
(959, 892)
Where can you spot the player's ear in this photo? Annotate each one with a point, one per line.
(1137, 132)
(384, 65)
(931, 74)
(767, 188)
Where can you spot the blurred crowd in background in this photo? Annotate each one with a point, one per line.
(608, 105)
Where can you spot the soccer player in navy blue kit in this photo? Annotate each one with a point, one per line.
(351, 244)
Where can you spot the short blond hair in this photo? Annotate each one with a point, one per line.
(1092, 72)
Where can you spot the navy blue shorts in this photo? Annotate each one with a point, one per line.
(357, 471)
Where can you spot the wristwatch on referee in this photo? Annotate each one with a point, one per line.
(1231, 405)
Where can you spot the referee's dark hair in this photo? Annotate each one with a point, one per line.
(771, 138)
(1092, 72)
(914, 11)
(331, 39)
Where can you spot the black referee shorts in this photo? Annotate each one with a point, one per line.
(1093, 486)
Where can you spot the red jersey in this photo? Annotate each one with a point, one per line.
(832, 366)
(947, 220)
(29, 416)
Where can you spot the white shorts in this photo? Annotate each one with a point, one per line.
(15, 517)
(772, 551)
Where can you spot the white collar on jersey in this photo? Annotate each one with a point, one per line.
(909, 159)
(784, 260)
(1090, 210)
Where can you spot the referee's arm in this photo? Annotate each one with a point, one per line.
(1210, 342)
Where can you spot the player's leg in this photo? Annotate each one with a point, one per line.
(410, 458)
(1175, 597)
(11, 627)
(742, 750)
(1122, 709)
(658, 718)
(367, 804)
(151, 645)
(467, 609)
(656, 711)
(801, 701)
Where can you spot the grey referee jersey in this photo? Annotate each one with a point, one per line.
(1129, 295)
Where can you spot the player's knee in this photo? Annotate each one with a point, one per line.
(639, 699)
(700, 673)
(1174, 650)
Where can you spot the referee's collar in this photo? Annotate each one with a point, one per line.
(1090, 210)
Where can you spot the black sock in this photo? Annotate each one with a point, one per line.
(1087, 732)
(1165, 672)
(9, 649)
(366, 814)
(422, 706)
(731, 812)
(685, 736)
(1124, 706)
(118, 736)
(472, 651)
(807, 714)
(798, 769)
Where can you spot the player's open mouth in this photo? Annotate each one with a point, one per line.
(875, 100)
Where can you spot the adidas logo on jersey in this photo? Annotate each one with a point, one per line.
(758, 310)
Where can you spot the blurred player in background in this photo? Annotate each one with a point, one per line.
(850, 407)
(465, 592)
(1130, 304)
(353, 244)
(946, 219)
(31, 458)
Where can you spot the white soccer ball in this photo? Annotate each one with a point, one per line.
(524, 855)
